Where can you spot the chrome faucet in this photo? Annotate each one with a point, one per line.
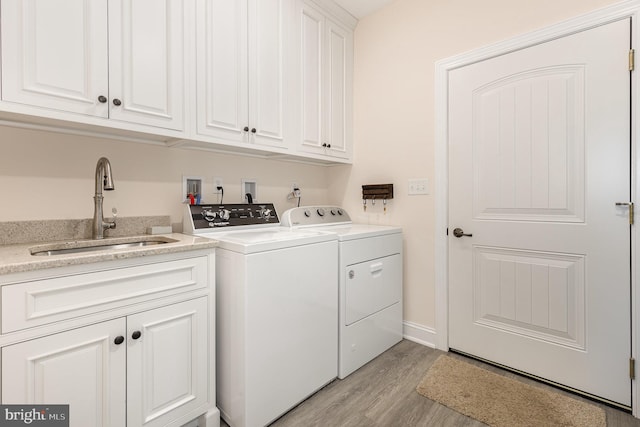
(104, 181)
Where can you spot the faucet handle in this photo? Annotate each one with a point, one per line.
(112, 223)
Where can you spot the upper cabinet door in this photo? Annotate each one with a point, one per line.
(146, 62)
(54, 54)
(222, 69)
(312, 98)
(325, 57)
(241, 56)
(338, 97)
(267, 56)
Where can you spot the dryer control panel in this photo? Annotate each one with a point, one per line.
(208, 217)
(315, 215)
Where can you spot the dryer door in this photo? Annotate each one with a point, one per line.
(371, 286)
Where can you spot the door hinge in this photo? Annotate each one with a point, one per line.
(632, 61)
(632, 368)
(631, 210)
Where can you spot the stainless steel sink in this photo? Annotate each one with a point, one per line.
(79, 247)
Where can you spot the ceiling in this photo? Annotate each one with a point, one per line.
(362, 8)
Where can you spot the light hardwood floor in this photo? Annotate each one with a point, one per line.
(382, 394)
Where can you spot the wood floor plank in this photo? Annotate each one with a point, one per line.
(382, 394)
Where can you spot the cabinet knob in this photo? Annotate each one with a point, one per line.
(119, 340)
(328, 145)
(246, 129)
(117, 102)
(136, 334)
(324, 144)
(102, 99)
(253, 130)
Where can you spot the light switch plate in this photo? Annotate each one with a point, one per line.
(418, 186)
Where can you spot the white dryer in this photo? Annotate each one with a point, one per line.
(276, 310)
(370, 282)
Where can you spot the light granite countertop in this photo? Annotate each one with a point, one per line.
(18, 258)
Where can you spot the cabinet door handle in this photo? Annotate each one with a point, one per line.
(102, 99)
(117, 102)
(119, 340)
(136, 334)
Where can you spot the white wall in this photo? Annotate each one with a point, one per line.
(51, 176)
(395, 54)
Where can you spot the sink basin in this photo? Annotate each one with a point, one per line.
(79, 247)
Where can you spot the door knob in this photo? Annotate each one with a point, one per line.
(459, 232)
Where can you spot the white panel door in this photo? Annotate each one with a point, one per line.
(337, 107)
(242, 66)
(146, 47)
(54, 54)
(311, 22)
(167, 371)
(539, 155)
(222, 93)
(267, 55)
(83, 367)
(325, 54)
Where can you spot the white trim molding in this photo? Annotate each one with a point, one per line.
(419, 334)
(622, 10)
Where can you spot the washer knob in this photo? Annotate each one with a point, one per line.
(320, 211)
(340, 212)
(265, 213)
(307, 213)
(334, 212)
(209, 215)
(224, 214)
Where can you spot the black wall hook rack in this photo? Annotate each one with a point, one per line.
(377, 192)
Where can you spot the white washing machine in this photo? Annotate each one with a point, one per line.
(370, 282)
(276, 310)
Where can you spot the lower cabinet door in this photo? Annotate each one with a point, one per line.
(83, 368)
(167, 373)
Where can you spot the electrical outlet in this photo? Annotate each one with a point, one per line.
(418, 186)
(217, 182)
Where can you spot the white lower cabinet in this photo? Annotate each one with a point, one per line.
(167, 364)
(82, 367)
(156, 374)
(147, 364)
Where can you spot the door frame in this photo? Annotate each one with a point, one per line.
(625, 9)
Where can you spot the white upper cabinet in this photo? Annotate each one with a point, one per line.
(117, 59)
(146, 62)
(266, 77)
(242, 66)
(325, 55)
(55, 54)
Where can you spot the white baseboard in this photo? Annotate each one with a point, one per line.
(420, 334)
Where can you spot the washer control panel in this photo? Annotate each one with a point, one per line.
(315, 215)
(207, 217)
